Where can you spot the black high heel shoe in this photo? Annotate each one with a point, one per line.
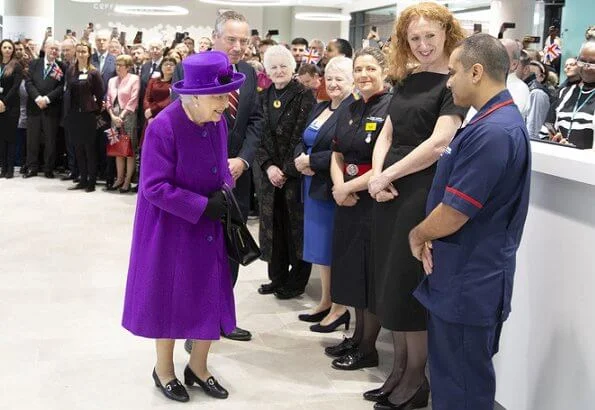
(331, 327)
(419, 400)
(172, 390)
(316, 317)
(210, 386)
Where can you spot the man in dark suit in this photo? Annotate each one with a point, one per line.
(106, 64)
(244, 117)
(45, 87)
(152, 67)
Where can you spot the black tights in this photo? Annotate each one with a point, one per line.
(410, 356)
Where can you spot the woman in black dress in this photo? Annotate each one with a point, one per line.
(356, 133)
(11, 75)
(423, 120)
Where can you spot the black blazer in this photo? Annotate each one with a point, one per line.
(321, 187)
(89, 91)
(37, 86)
(10, 84)
(244, 137)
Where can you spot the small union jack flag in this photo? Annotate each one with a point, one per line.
(311, 57)
(112, 135)
(551, 52)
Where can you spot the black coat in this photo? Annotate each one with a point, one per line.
(321, 187)
(10, 81)
(51, 86)
(278, 147)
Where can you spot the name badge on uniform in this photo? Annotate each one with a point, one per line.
(371, 126)
(156, 74)
(83, 77)
(1, 90)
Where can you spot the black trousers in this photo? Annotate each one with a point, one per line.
(242, 194)
(86, 158)
(280, 273)
(81, 131)
(42, 129)
(71, 153)
(7, 155)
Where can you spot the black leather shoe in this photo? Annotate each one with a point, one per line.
(419, 400)
(67, 177)
(346, 346)
(3, 174)
(284, 294)
(172, 390)
(188, 346)
(355, 360)
(238, 334)
(377, 395)
(316, 317)
(267, 288)
(210, 386)
(331, 327)
(30, 174)
(49, 174)
(90, 188)
(125, 190)
(9, 175)
(80, 185)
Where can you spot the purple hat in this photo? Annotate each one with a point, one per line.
(208, 73)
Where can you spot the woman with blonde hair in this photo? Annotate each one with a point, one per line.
(422, 121)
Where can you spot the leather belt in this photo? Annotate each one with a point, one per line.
(355, 170)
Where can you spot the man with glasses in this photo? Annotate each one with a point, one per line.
(570, 120)
(244, 119)
(572, 73)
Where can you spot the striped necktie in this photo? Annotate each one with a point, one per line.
(234, 99)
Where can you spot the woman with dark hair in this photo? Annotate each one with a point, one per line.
(339, 47)
(11, 75)
(82, 102)
(422, 121)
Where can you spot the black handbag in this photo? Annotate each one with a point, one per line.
(241, 246)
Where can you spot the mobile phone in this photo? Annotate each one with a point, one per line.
(49, 30)
(509, 25)
(179, 37)
(254, 32)
(68, 31)
(273, 32)
(374, 28)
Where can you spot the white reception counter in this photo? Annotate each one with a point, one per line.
(547, 350)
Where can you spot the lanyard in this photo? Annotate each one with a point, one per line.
(577, 108)
(491, 110)
(1, 70)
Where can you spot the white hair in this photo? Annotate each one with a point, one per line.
(50, 41)
(155, 42)
(103, 34)
(342, 65)
(278, 51)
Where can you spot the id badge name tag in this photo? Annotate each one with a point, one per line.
(83, 77)
(371, 126)
(1, 90)
(156, 74)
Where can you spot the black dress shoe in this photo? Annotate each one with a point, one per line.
(267, 288)
(30, 174)
(67, 177)
(377, 395)
(316, 317)
(2, 174)
(49, 174)
(172, 390)
(346, 346)
(419, 400)
(210, 386)
(76, 180)
(355, 360)
(188, 346)
(284, 294)
(80, 185)
(125, 190)
(239, 335)
(331, 327)
(9, 175)
(90, 188)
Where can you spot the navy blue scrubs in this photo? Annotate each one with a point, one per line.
(485, 174)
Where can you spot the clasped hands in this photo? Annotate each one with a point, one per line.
(2, 107)
(302, 164)
(381, 188)
(41, 102)
(276, 176)
(343, 196)
(559, 138)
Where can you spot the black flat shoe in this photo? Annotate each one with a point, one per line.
(377, 395)
(67, 177)
(284, 294)
(114, 187)
(239, 335)
(90, 188)
(210, 386)
(125, 190)
(355, 360)
(49, 174)
(188, 346)
(3, 175)
(267, 288)
(172, 390)
(331, 327)
(346, 346)
(316, 317)
(419, 400)
(80, 185)
(30, 174)
(9, 175)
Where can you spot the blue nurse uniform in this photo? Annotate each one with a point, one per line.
(485, 174)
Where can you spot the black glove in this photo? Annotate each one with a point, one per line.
(216, 207)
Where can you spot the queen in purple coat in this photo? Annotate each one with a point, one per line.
(179, 284)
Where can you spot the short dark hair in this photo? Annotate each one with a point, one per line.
(311, 69)
(167, 59)
(189, 38)
(267, 42)
(488, 51)
(344, 47)
(299, 41)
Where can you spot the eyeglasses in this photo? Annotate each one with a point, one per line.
(120, 65)
(585, 64)
(233, 40)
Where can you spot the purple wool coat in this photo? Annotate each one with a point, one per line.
(179, 283)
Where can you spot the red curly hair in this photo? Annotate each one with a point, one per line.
(401, 56)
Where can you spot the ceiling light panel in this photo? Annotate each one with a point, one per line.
(248, 3)
(151, 10)
(323, 16)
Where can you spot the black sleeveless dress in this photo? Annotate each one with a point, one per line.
(415, 107)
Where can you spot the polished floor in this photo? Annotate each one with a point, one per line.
(63, 264)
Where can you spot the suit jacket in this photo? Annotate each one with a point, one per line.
(127, 92)
(146, 75)
(244, 134)
(51, 86)
(321, 187)
(109, 68)
(89, 91)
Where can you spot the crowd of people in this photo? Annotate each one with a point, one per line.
(337, 149)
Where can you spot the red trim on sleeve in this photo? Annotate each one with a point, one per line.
(464, 196)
